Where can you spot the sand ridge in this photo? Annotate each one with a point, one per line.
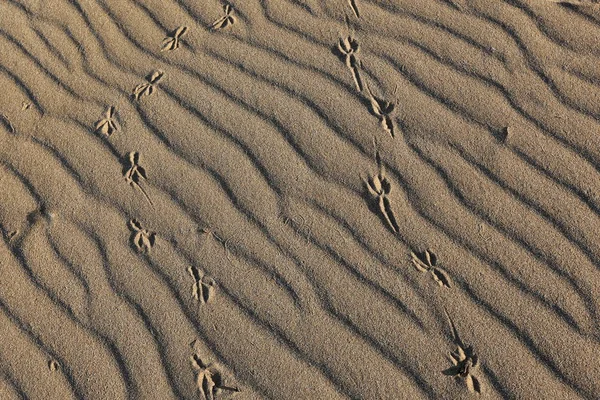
(299, 199)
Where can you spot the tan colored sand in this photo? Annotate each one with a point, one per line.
(299, 199)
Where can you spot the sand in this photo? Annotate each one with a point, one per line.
(299, 199)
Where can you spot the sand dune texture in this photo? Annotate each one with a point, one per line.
(299, 199)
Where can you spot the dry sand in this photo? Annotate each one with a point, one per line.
(299, 199)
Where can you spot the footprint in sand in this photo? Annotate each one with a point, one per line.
(209, 379)
(108, 125)
(379, 188)
(142, 239)
(227, 20)
(464, 361)
(171, 42)
(426, 262)
(135, 173)
(383, 110)
(147, 88)
(53, 365)
(347, 50)
(354, 7)
(203, 287)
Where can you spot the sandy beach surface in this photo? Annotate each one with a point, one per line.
(299, 199)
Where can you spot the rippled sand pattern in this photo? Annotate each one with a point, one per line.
(299, 199)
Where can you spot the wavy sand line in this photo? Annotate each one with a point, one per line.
(236, 139)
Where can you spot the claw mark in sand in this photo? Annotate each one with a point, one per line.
(464, 360)
(209, 378)
(379, 187)
(147, 88)
(226, 20)
(108, 125)
(354, 7)
(383, 110)
(426, 262)
(203, 287)
(136, 173)
(143, 239)
(347, 49)
(6, 122)
(171, 42)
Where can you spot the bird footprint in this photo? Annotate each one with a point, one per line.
(226, 20)
(171, 42)
(143, 239)
(464, 361)
(348, 49)
(147, 88)
(380, 187)
(383, 109)
(108, 125)
(426, 262)
(209, 378)
(136, 173)
(203, 287)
